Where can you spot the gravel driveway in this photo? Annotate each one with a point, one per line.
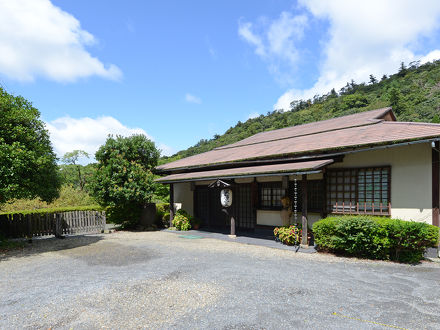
(162, 280)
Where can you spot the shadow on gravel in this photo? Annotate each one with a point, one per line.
(51, 244)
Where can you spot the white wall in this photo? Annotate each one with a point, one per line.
(411, 187)
(273, 218)
(184, 195)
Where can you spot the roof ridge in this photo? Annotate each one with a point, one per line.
(372, 122)
(380, 113)
(330, 119)
(412, 123)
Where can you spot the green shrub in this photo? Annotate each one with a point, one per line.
(69, 197)
(166, 218)
(409, 239)
(324, 231)
(182, 220)
(289, 235)
(161, 210)
(58, 210)
(375, 237)
(127, 215)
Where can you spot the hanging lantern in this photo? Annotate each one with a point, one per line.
(226, 197)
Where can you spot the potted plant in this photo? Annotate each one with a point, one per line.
(195, 223)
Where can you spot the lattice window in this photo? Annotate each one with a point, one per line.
(270, 195)
(315, 194)
(361, 190)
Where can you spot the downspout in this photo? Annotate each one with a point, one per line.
(435, 183)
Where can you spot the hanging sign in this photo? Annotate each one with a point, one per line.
(226, 197)
(218, 184)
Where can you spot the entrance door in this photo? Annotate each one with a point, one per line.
(244, 209)
(208, 207)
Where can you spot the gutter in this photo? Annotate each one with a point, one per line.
(240, 176)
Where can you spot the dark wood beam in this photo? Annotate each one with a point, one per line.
(435, 185)
(304, 240)
(171, 204)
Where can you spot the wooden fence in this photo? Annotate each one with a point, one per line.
(72, 222)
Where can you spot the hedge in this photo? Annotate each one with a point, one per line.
(375, 237)
(58, 210)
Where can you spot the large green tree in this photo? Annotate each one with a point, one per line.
(123, 180)
(28, 166)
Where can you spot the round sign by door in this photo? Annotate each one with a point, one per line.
(226, 197)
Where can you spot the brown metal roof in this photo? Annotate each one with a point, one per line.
(358, 119)
(266, 170)
(374, 133)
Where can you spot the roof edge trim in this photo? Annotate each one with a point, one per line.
(240, 176)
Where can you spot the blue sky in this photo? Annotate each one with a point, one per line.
(180, 71)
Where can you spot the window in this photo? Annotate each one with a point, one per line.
(270, 195)
(362, 190)
(315, 194)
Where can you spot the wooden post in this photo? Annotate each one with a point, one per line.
(285, 184)
(58, 226)
(304, 240)
(29, 219)
(232, 226)
(171, 204)
(103, 221)
(435, 184)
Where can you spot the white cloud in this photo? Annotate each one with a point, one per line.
(431, 56)
(253, 115)
(367, 37)
(192, 99)
(275, 44)
(166, 150)
(88, 134)
(363, 38)
(39, 39)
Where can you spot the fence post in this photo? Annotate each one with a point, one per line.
(58, 226)
(103, 221)
(29, 219)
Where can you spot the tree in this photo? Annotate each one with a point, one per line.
(354, 101)
(373, 79)
(402, 70)
(71, 158)
(123, 180)
(395, 98)
(28, 166)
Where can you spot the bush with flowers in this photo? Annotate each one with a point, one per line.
(289, 235)
(182, 220)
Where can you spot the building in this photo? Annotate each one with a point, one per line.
(365, 163)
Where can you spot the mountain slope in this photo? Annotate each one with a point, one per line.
(413, 92)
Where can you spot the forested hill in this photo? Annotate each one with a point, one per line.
(413, 92)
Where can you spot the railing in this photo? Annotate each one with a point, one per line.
(361, 208)
(72, 222)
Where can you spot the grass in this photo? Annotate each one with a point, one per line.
(8, 245)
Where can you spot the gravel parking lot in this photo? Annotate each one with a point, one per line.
(163, 280)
